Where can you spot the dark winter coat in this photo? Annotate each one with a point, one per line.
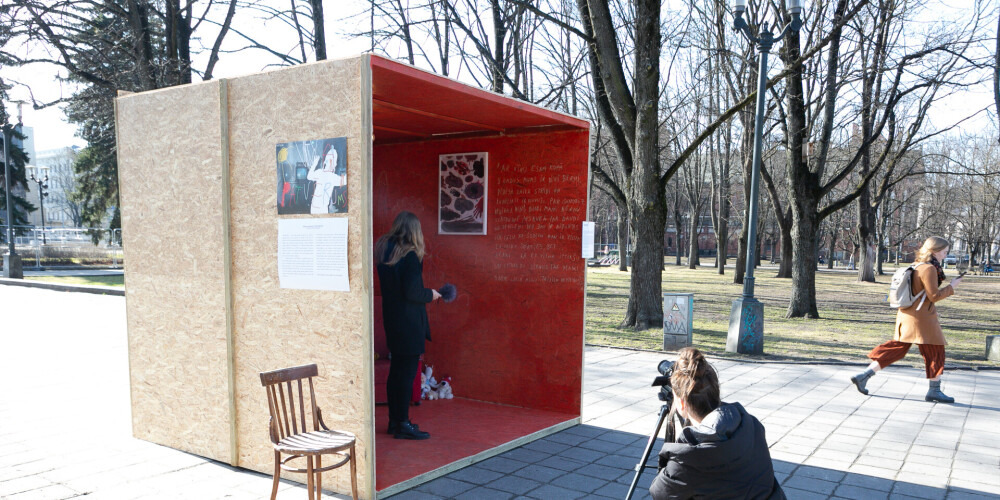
(404, 299)
(723, 457)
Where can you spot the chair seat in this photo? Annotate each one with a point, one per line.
(316, 443)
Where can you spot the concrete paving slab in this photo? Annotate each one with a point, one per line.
(827, 441)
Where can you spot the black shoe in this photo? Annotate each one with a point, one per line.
(934, 393)
(861, 379)
(408, 430)
(394, 427)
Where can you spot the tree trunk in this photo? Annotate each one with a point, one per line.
(499, 36)
(805, 198)
(804, 246)
(722, 239)
(648, 206)
(833, 248)
(785, 267)
(693, 260)
(880, 250)
(142, 49)
(645, 308)
(879, 259)
(741, 256)
(866, 251)
(319, 29)
(622, 239)
(678, 231)
(184, 45)
(759, 253)
(746, 146)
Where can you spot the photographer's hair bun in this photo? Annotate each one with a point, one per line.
(696, 382)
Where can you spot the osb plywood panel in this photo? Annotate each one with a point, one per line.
(170, 176)
(274, 327)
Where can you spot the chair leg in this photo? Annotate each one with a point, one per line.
(277, 474)
(354, 476)
(319, 477)
(309, 477)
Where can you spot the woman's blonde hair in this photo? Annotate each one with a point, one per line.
(405, 235)
(696, 382)
(931, 246)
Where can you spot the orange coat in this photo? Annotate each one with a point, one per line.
(922, 327)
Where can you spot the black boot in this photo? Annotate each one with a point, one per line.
(393, 427)
(409, 430)
(934, 393)
(861, 379)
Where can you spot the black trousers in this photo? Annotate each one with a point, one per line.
(399, 386)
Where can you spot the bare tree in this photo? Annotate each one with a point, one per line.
(937, 64)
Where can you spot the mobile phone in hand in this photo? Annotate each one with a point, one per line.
(963, 273)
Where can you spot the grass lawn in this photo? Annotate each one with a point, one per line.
(854, 316)
(113, 280)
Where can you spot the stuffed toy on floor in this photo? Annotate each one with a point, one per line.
(431, 388)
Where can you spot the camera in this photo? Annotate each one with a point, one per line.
(666, 369)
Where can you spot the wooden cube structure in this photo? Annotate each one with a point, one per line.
(200, 227)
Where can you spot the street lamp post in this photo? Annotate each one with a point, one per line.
(746, 320)
(42, 180)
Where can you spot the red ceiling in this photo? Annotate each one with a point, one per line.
(412, 104)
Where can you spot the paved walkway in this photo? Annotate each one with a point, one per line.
(65, 426)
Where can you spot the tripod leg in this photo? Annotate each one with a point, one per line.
(664, 411)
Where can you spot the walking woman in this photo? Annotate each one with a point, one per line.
(400, 255)
(722, 453)
(918, 324)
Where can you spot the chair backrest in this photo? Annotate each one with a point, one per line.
(286, 400)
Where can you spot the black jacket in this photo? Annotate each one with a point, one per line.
(724, 457)
(404, 299)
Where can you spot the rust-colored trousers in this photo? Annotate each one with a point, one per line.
(894, 350)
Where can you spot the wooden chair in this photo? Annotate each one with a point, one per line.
(290, 436)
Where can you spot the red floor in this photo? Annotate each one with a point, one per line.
(459, 428)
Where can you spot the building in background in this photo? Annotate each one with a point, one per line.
(60, 210)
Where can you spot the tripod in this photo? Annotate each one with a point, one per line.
(669, 434)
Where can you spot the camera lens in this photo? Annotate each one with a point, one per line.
(665, 366)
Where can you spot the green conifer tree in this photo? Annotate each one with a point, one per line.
(18, 179)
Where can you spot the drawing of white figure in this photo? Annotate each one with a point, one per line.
(326, 180)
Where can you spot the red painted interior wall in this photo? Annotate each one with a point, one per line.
(514, 335)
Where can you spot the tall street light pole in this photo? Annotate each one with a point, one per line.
(746, 319)
(42, 180)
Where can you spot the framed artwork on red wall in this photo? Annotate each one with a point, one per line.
(462, 196)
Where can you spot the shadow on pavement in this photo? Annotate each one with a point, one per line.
(593, 462)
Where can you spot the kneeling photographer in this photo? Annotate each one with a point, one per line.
(721, 452)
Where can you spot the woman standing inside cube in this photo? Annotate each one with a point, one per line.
(400, 255)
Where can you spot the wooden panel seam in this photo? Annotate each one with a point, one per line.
(234, 448)
(368, 138)
(118, 171)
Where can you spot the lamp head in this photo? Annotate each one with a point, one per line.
(739, 6)
(794, 7)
